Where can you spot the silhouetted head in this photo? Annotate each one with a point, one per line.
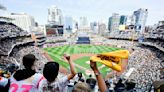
(50, 71)
(120, 80)
(80, 75)
(29, 60)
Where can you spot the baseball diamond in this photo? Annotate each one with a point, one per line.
(80, 54)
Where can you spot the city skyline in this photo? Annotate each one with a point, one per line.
(92, 9)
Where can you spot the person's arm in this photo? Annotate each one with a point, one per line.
(72, 69)
(100, 80)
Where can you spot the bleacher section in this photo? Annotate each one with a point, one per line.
(12, 40)
(155, 38)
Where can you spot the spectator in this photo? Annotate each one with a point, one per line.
(108, 86)
(4, 84)
(130, 86)
(91, 82)
(81, 87)
(51, 83)
(12, 68)
(120, 87)
(27, 79)
(80, 75)
(100, 80)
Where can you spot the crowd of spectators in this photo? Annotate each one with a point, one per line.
(7, 60)
(145, 62)
(19, 52)
(10, 36)
(146, 69)
(159, 53)
(55, 44)
(121, 43)
(124, 34)
(157, 44)
(53, 41)
(14, 43)
(155, 38)
(8, 44)
(56, 39)
(10, 30)
(157, 33)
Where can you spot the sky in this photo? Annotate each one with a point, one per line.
(94, 10)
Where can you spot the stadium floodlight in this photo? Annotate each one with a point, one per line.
(2, 7)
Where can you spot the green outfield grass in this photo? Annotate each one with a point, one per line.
(56, 54)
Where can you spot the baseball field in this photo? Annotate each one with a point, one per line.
(80, 55)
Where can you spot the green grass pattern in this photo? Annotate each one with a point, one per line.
(56, 54)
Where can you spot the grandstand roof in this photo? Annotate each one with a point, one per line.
(5, 18)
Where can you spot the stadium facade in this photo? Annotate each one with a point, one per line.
(22, 20)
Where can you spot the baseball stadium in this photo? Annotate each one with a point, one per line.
(126, 56)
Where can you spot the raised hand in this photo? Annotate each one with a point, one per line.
(66, 57)
(93, 65)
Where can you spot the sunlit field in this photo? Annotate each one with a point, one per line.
(81, 63)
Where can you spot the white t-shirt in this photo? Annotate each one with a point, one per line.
(3, 81)
(59, 85)
(30, 84)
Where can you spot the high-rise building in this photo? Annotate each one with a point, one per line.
(140, 19)
(22, 20)
(55, 16)
(130, 20)
(101, 28)
(94, 27)
(123, 20)
(114, 21)
(68, 23)
(83, 22)
(110, 23)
